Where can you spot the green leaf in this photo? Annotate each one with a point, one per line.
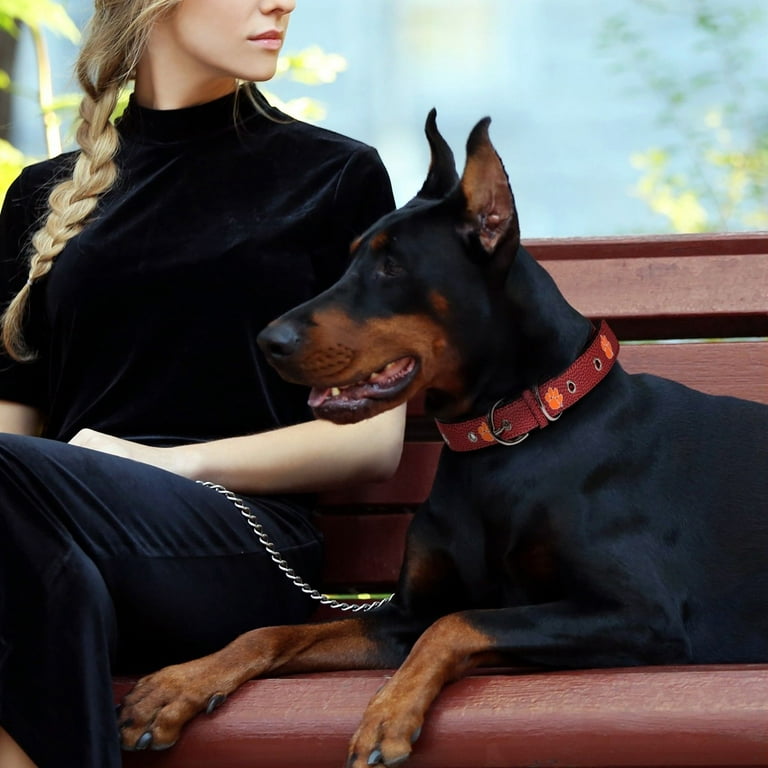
(7, 24)
(39, 14)
(312, 66)
(11, 163)
(66, 102)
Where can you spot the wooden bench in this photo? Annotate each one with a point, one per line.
(703, 303)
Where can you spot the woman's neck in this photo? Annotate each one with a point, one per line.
(168, 92)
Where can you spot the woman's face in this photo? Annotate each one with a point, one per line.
(205, 42)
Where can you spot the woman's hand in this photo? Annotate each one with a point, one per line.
(163, 458)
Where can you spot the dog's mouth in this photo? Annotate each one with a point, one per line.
(364, 398)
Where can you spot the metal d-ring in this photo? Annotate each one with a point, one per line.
(505, 425)
(546, 413)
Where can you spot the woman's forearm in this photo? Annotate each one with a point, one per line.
(19, 419)
(311, 456)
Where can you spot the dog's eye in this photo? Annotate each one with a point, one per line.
(389, 267)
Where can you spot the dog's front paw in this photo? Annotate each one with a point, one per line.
(153, 713)
(389, 728)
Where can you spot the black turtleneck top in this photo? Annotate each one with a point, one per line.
(224, 216)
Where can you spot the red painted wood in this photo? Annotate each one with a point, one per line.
(669, 297)
(585, 248)
(739, 369)
(680, 286)
(363, 550)
(673, 716)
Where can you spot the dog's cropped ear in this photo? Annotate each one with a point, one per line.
(490, 206)
(442, 176)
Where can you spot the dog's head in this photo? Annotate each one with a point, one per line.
(415, 308)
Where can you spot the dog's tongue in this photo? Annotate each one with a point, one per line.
(318, 396)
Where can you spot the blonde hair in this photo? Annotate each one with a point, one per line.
(115, 40)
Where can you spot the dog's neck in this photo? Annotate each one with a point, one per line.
(538, 335)
(548, 334)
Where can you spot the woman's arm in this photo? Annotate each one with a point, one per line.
(312, 456)
(20, 419)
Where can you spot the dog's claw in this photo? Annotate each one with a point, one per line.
(415, 736)
(144, 741)
(215, 702)
(377, 758)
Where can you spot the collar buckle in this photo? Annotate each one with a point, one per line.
(495, 432)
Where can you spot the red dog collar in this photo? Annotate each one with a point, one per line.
(510, 424)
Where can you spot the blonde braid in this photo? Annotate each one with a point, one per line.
(70, 203)
(73, 201)
(117, 37)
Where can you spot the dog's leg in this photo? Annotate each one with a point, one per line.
(557, 634)
(154, 712)
(392, 722)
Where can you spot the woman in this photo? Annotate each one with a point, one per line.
(159, 252)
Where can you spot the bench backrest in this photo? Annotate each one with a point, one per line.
(691, 308)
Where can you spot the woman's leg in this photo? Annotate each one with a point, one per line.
(108, 561)
(11, 755)
(57, 624)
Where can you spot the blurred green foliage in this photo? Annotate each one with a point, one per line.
(37, 14)
(712, 172)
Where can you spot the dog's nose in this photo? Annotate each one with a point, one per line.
(279, 340)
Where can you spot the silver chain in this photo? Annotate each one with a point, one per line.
(279, 560)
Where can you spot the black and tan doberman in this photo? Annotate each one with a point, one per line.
(580, 517)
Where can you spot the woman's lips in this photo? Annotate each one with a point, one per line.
(271, 41)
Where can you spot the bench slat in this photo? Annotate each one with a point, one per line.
(667, 297)
(642, 246)
(657, 716)
(739, 369)
(363, 550)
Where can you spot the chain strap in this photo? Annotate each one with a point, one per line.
(279, 560)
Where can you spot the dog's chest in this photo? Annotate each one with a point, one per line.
(507, 536)
(525, 562)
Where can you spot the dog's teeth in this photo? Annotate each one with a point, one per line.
(376, 375)
(335, 391)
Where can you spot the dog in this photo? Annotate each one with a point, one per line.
(610, 519)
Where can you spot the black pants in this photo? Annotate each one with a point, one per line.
(110, 565)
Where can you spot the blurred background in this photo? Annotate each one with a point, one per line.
(612, 117)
